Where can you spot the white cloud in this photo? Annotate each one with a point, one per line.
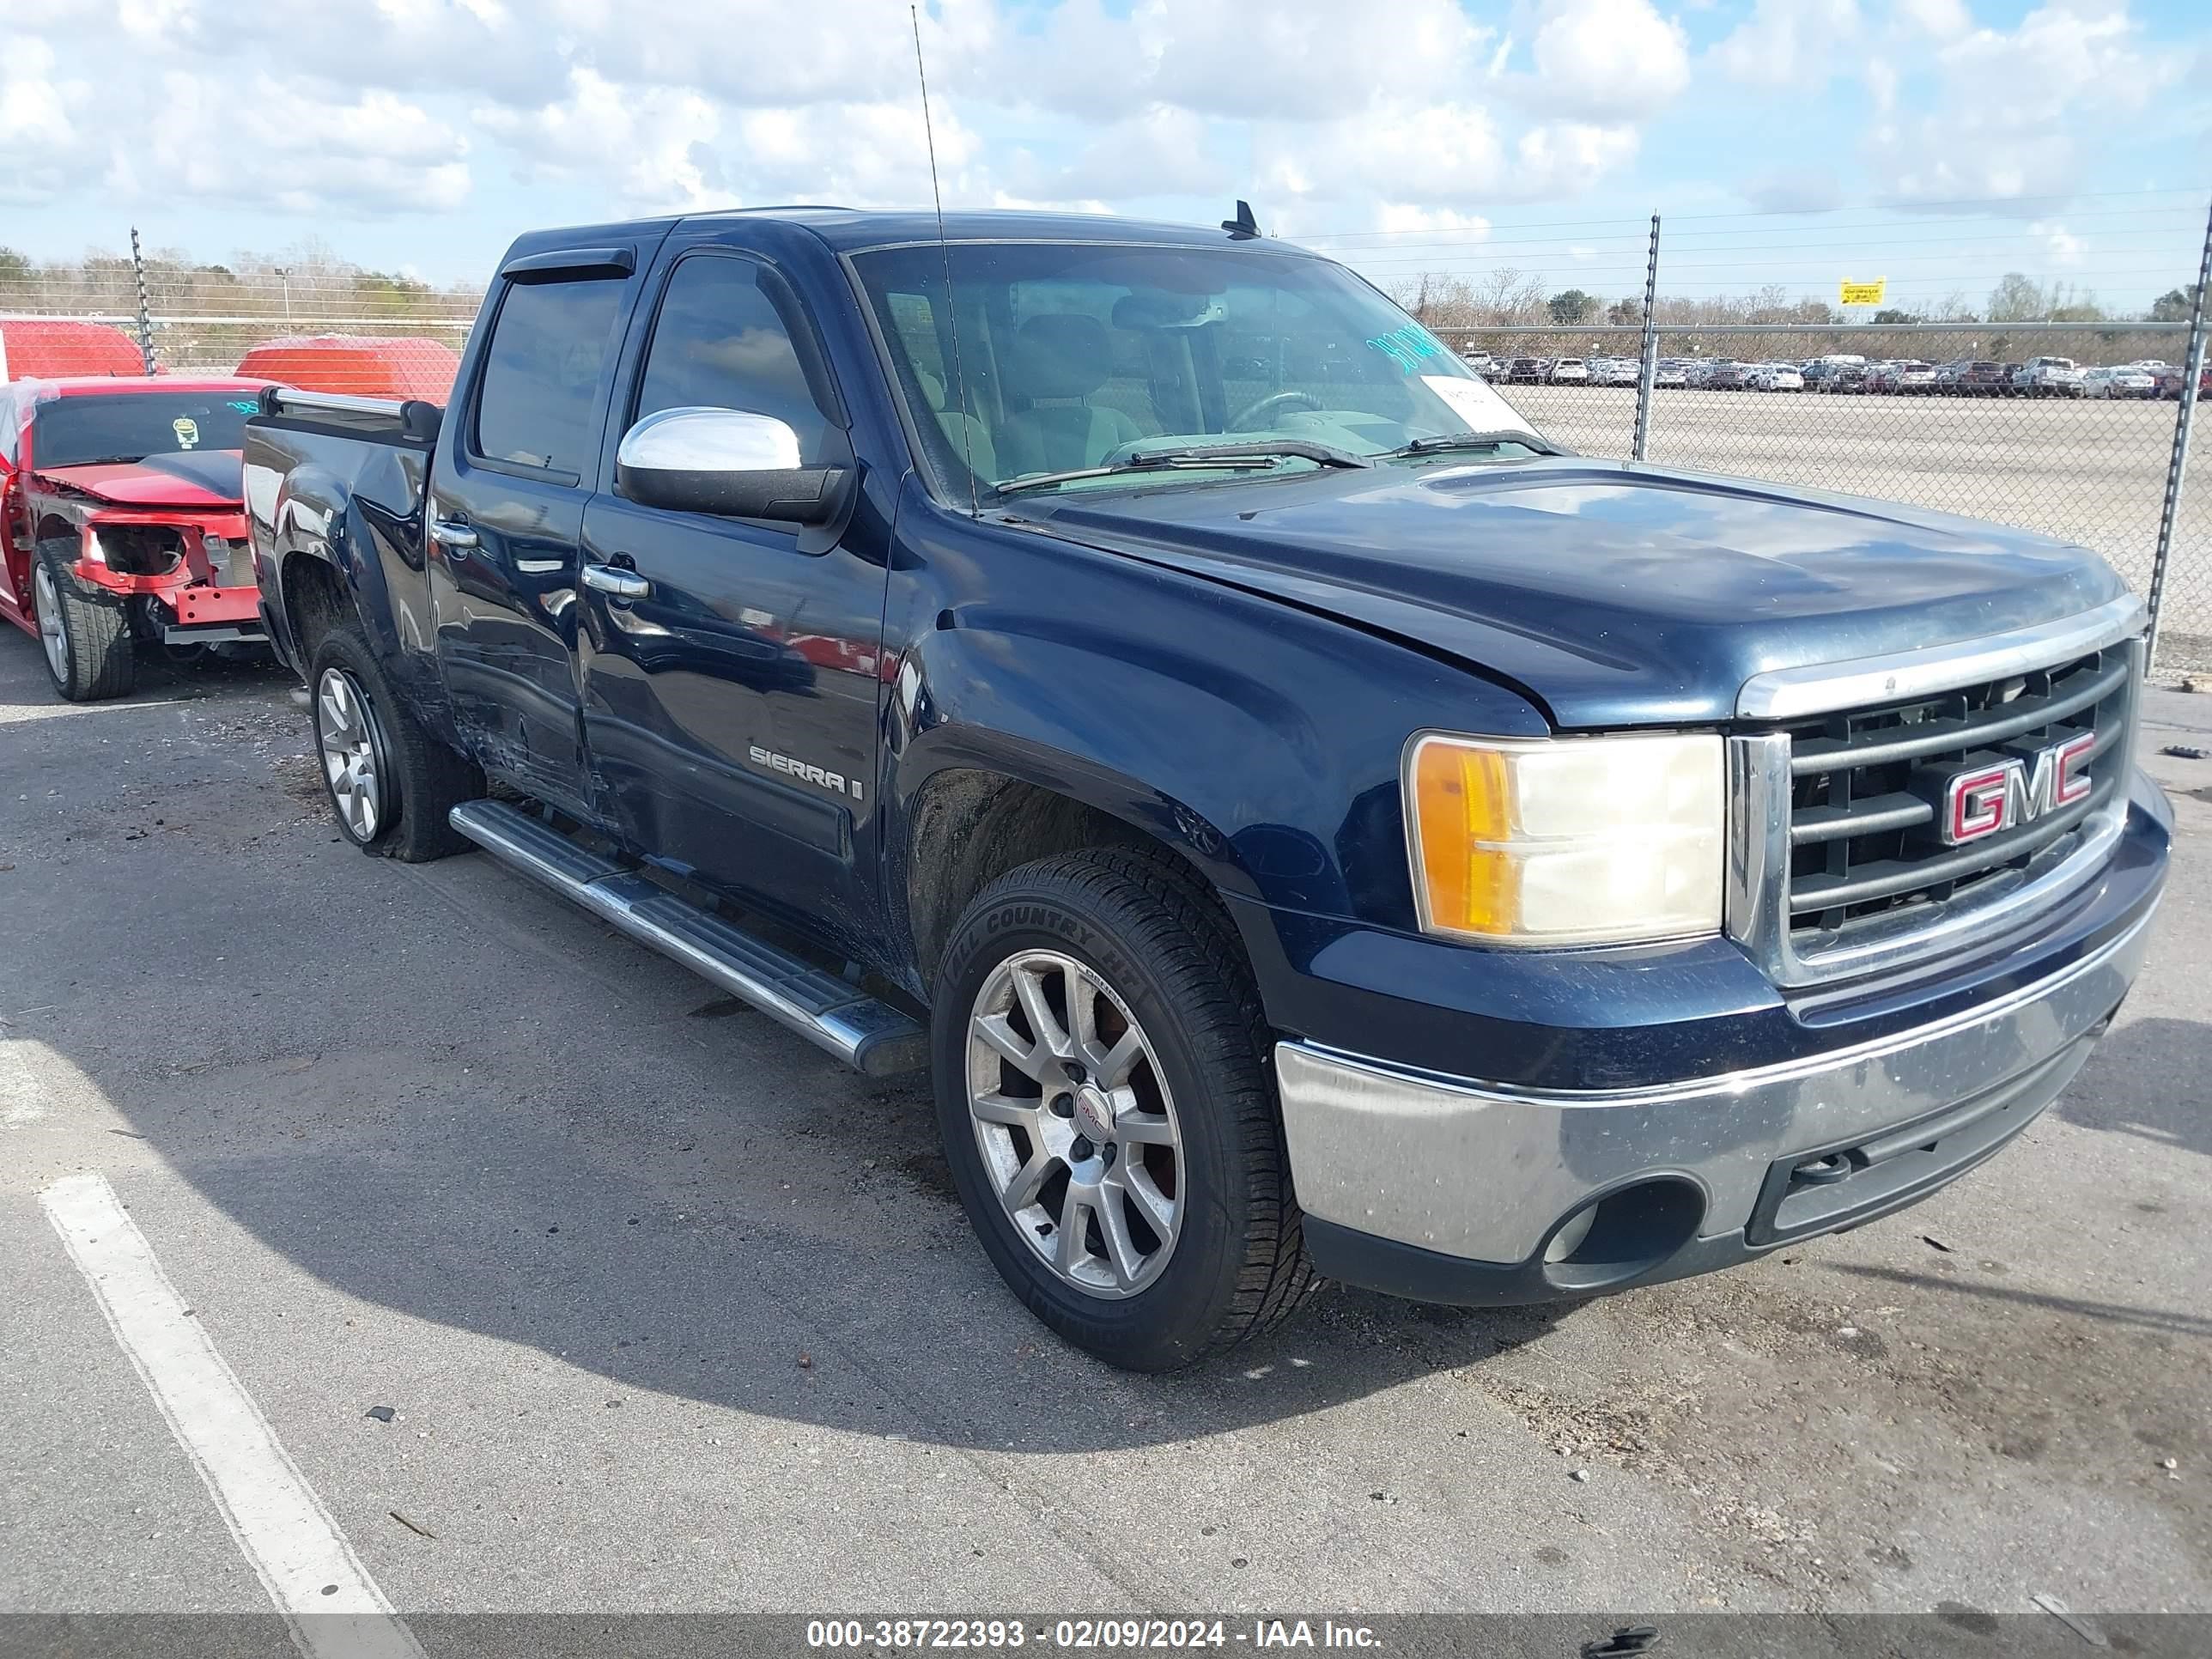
(2009, 113)
(377, 107)
(669, 150)
(2064, 247)
(654, 149)
(1234, 58)
(1939, 20)
(1448, 155)
(1789, 47)
(47, 145)
(297, 150)
(1395, 217)
(1795, 189)
(1608, 58)
(1160, 142)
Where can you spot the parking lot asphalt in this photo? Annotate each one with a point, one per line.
(667, 1311)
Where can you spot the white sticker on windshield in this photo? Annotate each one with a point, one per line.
(1474, 402)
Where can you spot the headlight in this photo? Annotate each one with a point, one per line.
(1567, 840)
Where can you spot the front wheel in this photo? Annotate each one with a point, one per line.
(1101, 1088)
(86, 635)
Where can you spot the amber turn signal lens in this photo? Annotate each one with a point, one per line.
(1569, 841)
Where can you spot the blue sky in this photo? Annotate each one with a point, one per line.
(1943, 142)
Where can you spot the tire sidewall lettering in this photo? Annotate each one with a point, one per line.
(1004, 925)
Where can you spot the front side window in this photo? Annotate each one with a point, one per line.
(1044, 358)
(544, 374)
(721, 343)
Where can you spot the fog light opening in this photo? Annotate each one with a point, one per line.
(1569, 1239)
(1623, 1234)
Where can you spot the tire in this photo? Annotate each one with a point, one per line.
(389, 783)
(85, 634)
(1166, 974)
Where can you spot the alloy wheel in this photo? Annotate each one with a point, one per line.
(345, 733)
(1076, 1125)
(47, 602)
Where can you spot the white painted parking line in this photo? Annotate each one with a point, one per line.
(333, 1606)
(22, 1097)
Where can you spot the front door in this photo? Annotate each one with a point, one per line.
(730, 710)
(506, 527)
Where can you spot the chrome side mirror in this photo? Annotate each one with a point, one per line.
(726, 461)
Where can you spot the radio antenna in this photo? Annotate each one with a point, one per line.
(944, 249)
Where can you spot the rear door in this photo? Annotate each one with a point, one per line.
(730, 711)
(506, 514)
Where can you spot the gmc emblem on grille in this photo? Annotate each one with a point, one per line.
(1989, 798)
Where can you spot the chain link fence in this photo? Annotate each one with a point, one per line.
(1721, 354)
(2012, 424)
(325, 327)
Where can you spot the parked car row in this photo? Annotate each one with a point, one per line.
(1964, 377)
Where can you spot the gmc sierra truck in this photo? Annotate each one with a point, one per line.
(1308, 823)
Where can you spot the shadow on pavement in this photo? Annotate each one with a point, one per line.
(2165, 1320)
(2168, 1065)
(851, 1298)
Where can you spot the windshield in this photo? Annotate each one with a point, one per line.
(1061, 357)
(130, 426)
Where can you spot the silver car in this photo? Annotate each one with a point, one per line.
(2124, 382)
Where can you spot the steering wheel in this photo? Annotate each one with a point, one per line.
(1249, 418)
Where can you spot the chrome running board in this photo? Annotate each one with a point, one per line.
(867, 1034)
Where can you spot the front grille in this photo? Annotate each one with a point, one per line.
(1867, 789)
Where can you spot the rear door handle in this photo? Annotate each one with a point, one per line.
(616, 582)
(452, 533)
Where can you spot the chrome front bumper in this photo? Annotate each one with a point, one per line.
(1447, 1167)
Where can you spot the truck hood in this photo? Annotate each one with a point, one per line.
(1610, 594)
(200, 479)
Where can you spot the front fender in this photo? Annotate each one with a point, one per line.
(1259, 741)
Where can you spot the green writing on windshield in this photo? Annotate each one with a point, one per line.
(1406, 347)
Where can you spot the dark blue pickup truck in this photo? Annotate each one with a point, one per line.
(1310, 824)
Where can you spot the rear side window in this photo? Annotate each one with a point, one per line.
(545, 373)
(720, 343)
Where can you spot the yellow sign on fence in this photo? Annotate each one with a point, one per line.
(1866, 293)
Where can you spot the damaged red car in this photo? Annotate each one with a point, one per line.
(122, 525)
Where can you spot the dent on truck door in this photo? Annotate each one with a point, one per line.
(506, 526)
(730, 710)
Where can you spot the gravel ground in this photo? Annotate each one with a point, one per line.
(672, 1313)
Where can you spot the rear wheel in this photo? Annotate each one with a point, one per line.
(389, 781)
(86, 635)
(1101, 1091)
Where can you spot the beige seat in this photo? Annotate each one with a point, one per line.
(969, 437)
(1057, 361)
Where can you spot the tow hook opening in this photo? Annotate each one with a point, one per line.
(1625, 1232)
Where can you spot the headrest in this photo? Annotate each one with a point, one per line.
(1062, 355)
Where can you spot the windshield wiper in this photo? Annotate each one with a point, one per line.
(1255, 457)
(1451, 441)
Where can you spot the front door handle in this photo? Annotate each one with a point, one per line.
(452, 533)
(616, 582)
